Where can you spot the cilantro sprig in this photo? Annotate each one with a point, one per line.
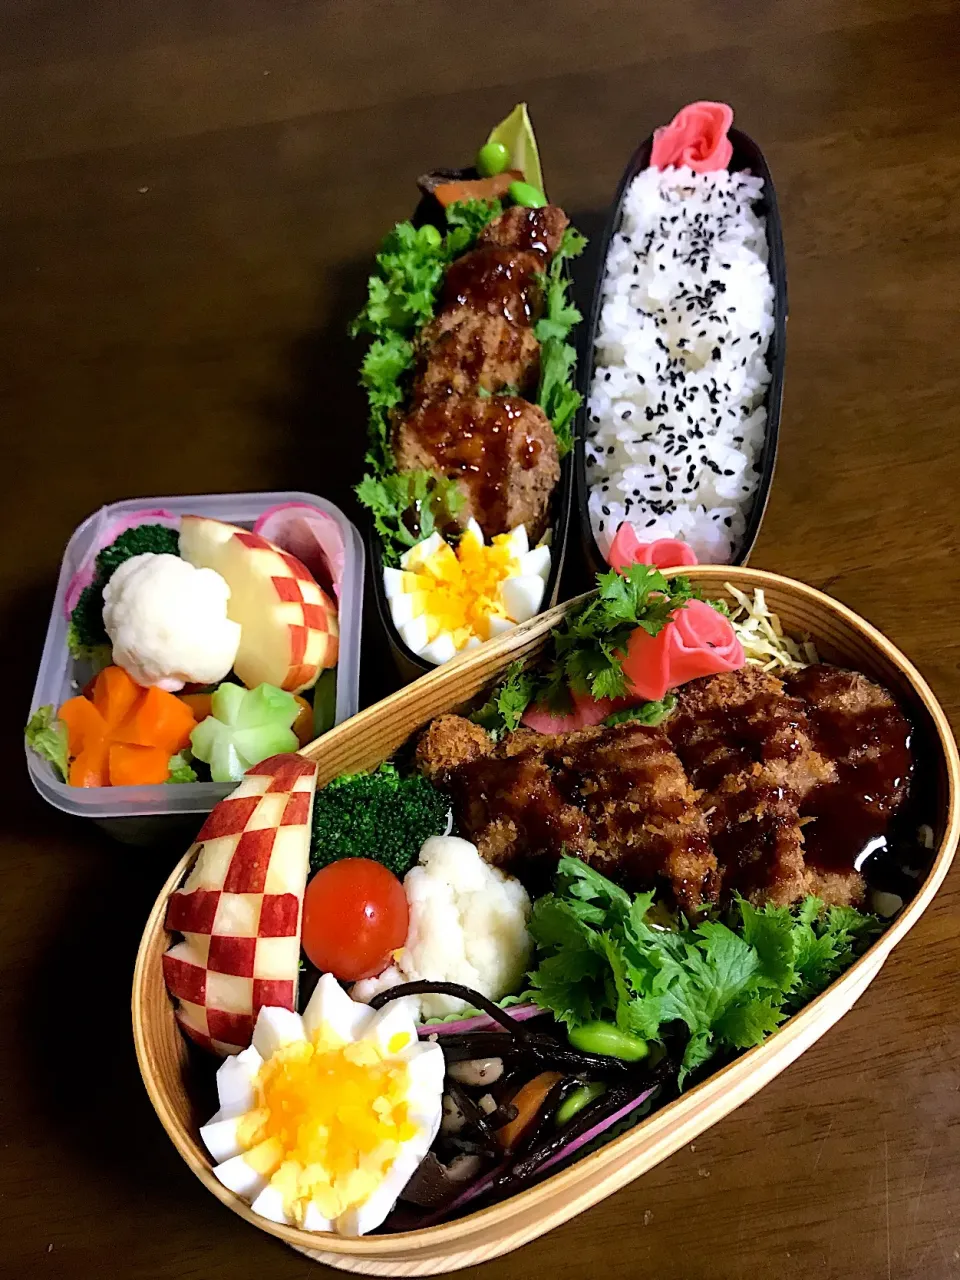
(729, 983)
(502, 711)
(589, 645)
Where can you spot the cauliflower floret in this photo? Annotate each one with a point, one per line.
(168, 622)
(468, 924)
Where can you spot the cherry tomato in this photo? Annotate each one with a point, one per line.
(354, 916)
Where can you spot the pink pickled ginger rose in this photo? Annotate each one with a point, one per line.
(697, 641)
(696, 137)
(663, 553)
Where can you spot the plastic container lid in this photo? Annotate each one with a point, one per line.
(60, 676)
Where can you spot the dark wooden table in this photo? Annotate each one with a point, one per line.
(191, 193)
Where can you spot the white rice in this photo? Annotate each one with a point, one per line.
(676, 418)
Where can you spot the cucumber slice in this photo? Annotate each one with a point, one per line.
(325, 701)
(516, 134)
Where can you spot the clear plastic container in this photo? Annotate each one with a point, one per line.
(143, 815)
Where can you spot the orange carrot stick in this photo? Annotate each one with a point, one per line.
(157, 719)
(134, 766)
(528, 1100)
(449, 193)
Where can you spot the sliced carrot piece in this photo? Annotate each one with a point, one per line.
(199, 704)
(90, 768)
(85, 724)
(528, 1100)
(114, 695)
(134, 766)
(158, 719)
(449, 193)
(303, 725)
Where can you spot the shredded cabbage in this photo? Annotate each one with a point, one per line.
(764, 641)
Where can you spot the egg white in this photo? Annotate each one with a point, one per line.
(346, 1020)
(521, 596)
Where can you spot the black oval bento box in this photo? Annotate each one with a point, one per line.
(409, 665)
(746, 155)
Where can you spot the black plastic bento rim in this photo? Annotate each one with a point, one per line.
(405, 659)
(746, 155)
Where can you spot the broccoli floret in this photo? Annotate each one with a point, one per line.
(86, 635)
(85, 632)
(376, 815)
(156, 538)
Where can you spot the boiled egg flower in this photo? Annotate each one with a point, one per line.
(325, 1118)
(445, 600)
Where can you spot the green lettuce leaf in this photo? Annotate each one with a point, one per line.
(180, 768)
(47, 736)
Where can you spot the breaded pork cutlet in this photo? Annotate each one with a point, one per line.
(449, 742)
(501, 449)
(615, 796)
(747, 748)
(857, 726)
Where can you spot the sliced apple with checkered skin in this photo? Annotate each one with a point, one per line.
(239, 910)
(288, 624)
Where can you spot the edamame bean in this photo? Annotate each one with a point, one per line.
(492, 158)
(429, 235)
(609, 1040)
(575, 1102)
(523, 193)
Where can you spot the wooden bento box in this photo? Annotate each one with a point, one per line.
(362, 742)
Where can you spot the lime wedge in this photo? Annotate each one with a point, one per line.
(516, 134)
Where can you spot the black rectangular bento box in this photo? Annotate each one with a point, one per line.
(746, 155)
(573, 480)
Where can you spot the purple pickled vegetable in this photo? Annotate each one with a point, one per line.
(596, 1130)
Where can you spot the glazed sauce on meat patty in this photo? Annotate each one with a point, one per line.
(502, 282)
(536, 230)
(474, 440)
(871, 747)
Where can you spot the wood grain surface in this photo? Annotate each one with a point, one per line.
(190, 193)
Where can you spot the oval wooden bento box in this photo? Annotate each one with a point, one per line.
(373, 735)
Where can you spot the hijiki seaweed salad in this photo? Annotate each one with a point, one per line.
(677, 414)
(470, 383)
(436, 982)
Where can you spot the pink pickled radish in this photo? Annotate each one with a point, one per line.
(105, 535)
(309, 534)
(586, 712)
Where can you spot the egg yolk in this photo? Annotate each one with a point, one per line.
(459, 591)
(329, 1122)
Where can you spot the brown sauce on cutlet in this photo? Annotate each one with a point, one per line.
(472, 440)
(520, 789)
(729, 740)
(872, 751)
(572, 796)
(497, 281)
(752, 826)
